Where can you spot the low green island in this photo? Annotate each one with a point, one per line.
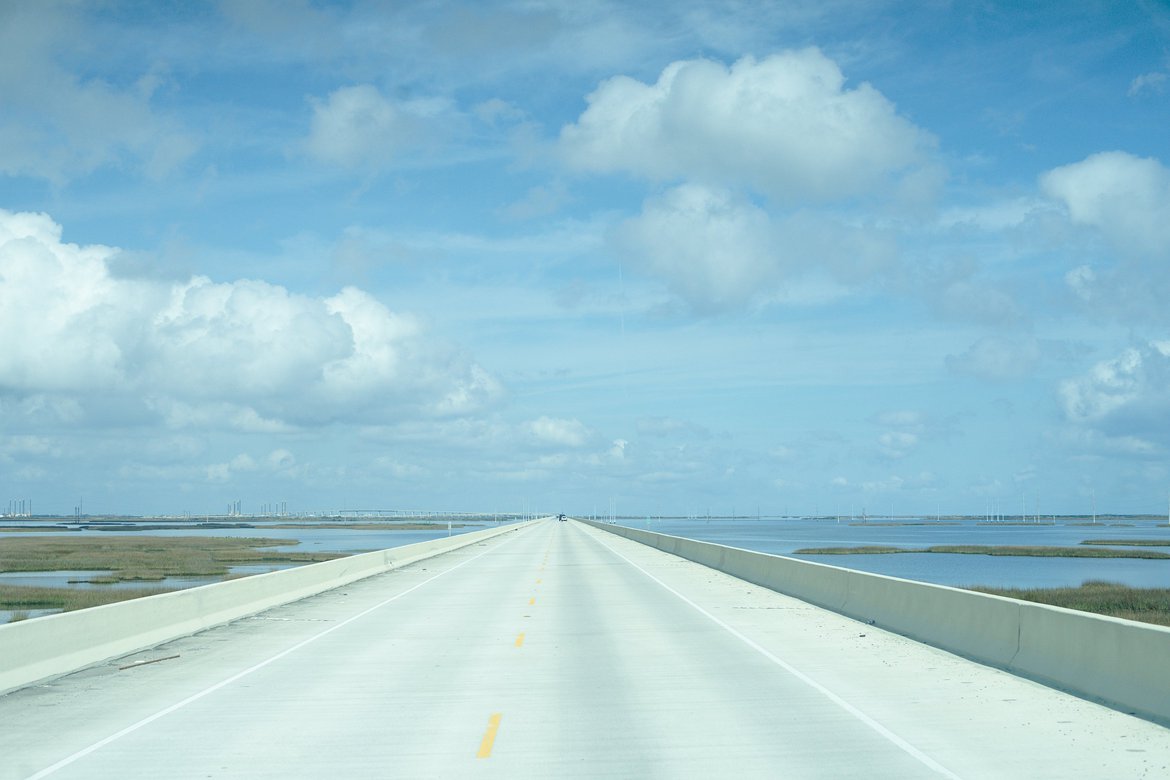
(130, 559)
(1146, 605)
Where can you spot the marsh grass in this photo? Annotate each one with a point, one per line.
(1147, 605)
(980, 549)
(147, 558)
(21, 598)
(1131, 542)
(131, 559)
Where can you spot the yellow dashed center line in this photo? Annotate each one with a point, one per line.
(532, 601)
(520, 639)
(489, 736)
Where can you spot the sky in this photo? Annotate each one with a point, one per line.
(669, 258)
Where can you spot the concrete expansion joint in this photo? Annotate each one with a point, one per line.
(1019, 631)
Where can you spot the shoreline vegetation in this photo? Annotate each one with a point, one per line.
(1009, 550)
(149, 557)
(1145, 605)
(130, 559)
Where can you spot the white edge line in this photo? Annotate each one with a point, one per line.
(804, 678)
(239, 675)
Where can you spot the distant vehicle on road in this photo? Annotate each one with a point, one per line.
(561, 518)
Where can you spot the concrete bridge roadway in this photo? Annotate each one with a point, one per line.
(559, 651)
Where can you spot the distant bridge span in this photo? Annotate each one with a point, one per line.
(559, 651)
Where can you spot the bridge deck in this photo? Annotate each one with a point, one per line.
(559, 651)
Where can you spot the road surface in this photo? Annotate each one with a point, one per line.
(559, 651)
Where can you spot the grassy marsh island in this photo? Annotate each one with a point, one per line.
(22, 599)
(1146, 605)
(148, 557)
(1130, 542)
(989, 549)
(130, 559)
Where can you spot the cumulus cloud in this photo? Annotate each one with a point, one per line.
(897, 444)
(223, 472)
(251, 355)
(1125, 398)
(1126, 197)
(717, 250)
(559, 432)
(1108, 386)
(787, 126)
(712, 249)
(358, 127)
(907, 428)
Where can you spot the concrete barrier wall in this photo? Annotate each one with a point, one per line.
(52, 645)
(1123, 664)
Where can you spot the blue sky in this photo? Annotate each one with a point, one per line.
(673, 258)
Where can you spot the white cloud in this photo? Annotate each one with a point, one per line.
(224, 472)
(897, 444)
(712, 249)
(717, 250)
(560, 432)
(1108, 386)
(1127, 198)
(1123, 404)
(359, 128)
(211, 414)
(1155, 82)
(246, 354)
(14, 447)
(786, 126)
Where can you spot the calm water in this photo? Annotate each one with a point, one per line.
(785, 536)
